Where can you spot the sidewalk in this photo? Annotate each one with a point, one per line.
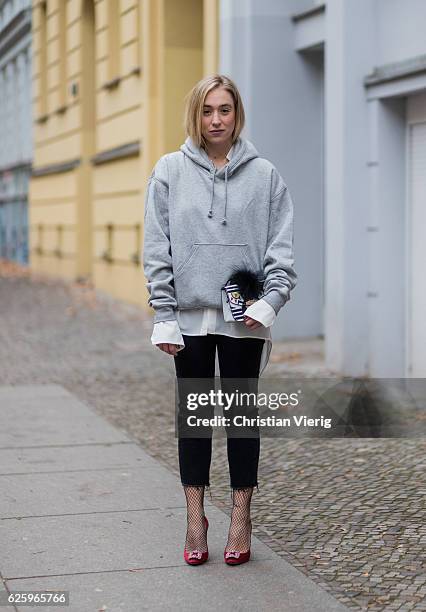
(86, 510)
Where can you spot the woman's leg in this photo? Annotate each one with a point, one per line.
(239, 359)
(195, 361)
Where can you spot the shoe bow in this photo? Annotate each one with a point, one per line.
(195, 554)
(232, 554)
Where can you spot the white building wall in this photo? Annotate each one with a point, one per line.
(282, 94)
(15, 127)
(416, 224)
(394, 295)
(399, 30)
(349, 57)
(15, 81)
(387, 238)
(363, 170)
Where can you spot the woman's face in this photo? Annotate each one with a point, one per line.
(218, 117)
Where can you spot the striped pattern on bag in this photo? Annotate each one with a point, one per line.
(235, 300)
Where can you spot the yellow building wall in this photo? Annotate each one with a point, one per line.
(117, 185)
(57, 135)
(109, 110)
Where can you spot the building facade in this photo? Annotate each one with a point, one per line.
(110, 78)
(15, 127)
(336, 97)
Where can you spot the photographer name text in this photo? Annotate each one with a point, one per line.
(258, 421)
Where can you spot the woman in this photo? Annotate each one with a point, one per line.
(210, 207)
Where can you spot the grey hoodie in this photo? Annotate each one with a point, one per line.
(201, 223)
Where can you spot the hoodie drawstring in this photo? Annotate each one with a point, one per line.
(226, 195)
(210, 213)
(243, 152)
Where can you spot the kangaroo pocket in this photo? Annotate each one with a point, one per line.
(200, 278)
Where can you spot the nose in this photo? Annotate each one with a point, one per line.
(216, 118)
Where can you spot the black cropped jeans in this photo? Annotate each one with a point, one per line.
(239, 358)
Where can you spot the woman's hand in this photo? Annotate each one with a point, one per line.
(171, 349)
(252, 323)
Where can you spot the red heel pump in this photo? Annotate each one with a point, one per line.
(235, 557)
(196, 557)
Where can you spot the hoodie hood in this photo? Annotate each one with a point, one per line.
(243, 151)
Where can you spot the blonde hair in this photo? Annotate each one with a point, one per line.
(194, 107)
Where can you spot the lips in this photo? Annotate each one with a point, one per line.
(216, 132)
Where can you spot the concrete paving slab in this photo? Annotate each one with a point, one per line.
(98, 456)
(102, 542)
(88, 491)
(255, 586)
(90, 534)
(3, 595)
(30, 391)
(49, 421)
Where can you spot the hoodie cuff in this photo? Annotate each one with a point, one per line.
(166, 313)
(276, 300)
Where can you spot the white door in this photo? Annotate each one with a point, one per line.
(417, 247)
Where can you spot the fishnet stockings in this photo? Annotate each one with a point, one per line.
(240, 527)
(196, 538)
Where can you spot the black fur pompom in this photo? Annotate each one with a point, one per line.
(250, 283)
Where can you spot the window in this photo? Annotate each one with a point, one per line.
(113, 39)
(42, 64)
(62, 8)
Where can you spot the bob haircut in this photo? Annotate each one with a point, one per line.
(195, 102)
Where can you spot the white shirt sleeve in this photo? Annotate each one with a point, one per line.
(261, 311)
(169, 332)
